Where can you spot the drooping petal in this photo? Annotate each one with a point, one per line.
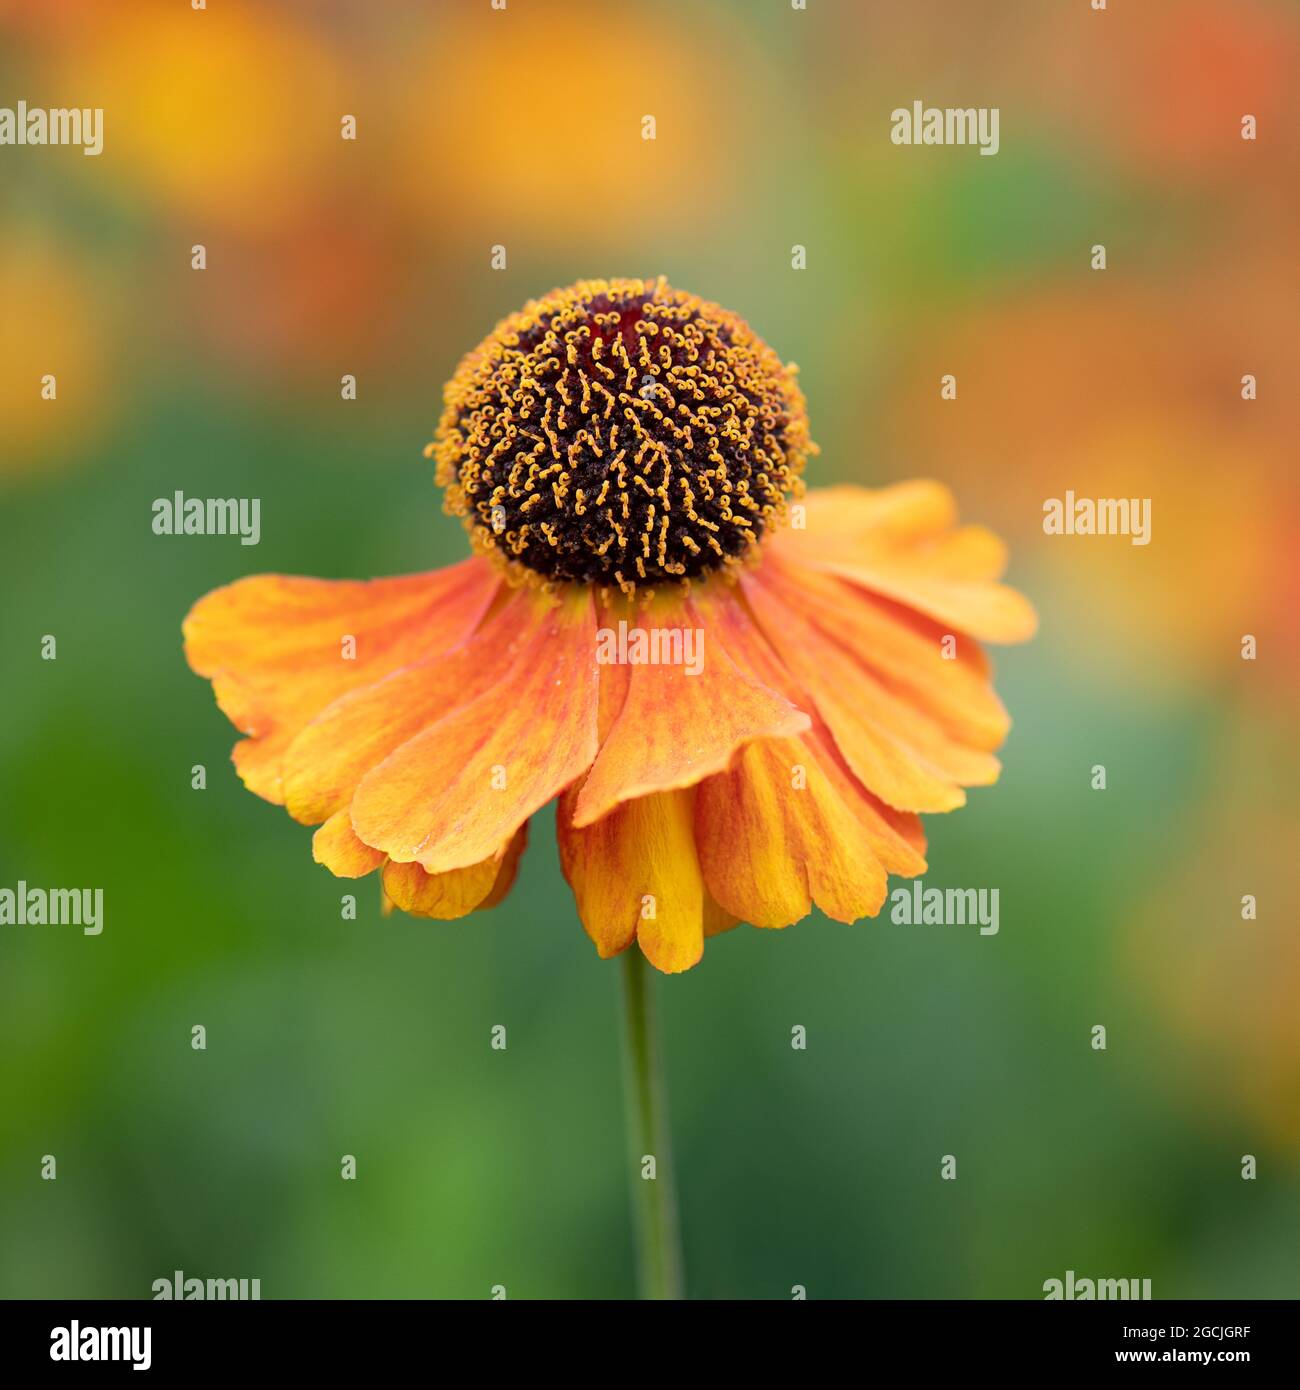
(336, 846)
(788, 825)
(716, 918)
(278, 649)
(509, 870)
(678, 722)
(900, 542)
(635, 876)
(458, 892)
(945, 674)
(894, 748)
(454, 794)
(327, 760)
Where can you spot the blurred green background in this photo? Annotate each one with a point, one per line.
(521, 128)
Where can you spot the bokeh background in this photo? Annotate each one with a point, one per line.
(521, 128)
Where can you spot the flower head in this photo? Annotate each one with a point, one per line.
(738, 705)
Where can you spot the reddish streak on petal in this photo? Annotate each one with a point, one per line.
(278, 649)
(676, 728)
(455, 793)
(355, 733)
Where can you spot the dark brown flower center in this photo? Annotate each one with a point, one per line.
(621, 433)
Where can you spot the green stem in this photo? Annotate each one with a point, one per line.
(654, 1200)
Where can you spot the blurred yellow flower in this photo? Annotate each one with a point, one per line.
(227, 117)
(532, 121)
(55, 340)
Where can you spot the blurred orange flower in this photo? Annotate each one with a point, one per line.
(1114, 391)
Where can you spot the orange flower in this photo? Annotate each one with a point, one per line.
(738, 697)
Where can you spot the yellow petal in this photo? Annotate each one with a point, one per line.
(336, 846)
(635, 875)
(459, 891)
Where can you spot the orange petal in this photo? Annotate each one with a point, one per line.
(454, 794)
(900, 542)
(904, 511)
(460, 891)
(635, 874)
(788, 825)
(991, 612)
(336, 846)
(902, 649)
(780, 831)
(716, 918)
(326, 761)
(674, 727)
(509, 870)
(894, 747)
(275, 647)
